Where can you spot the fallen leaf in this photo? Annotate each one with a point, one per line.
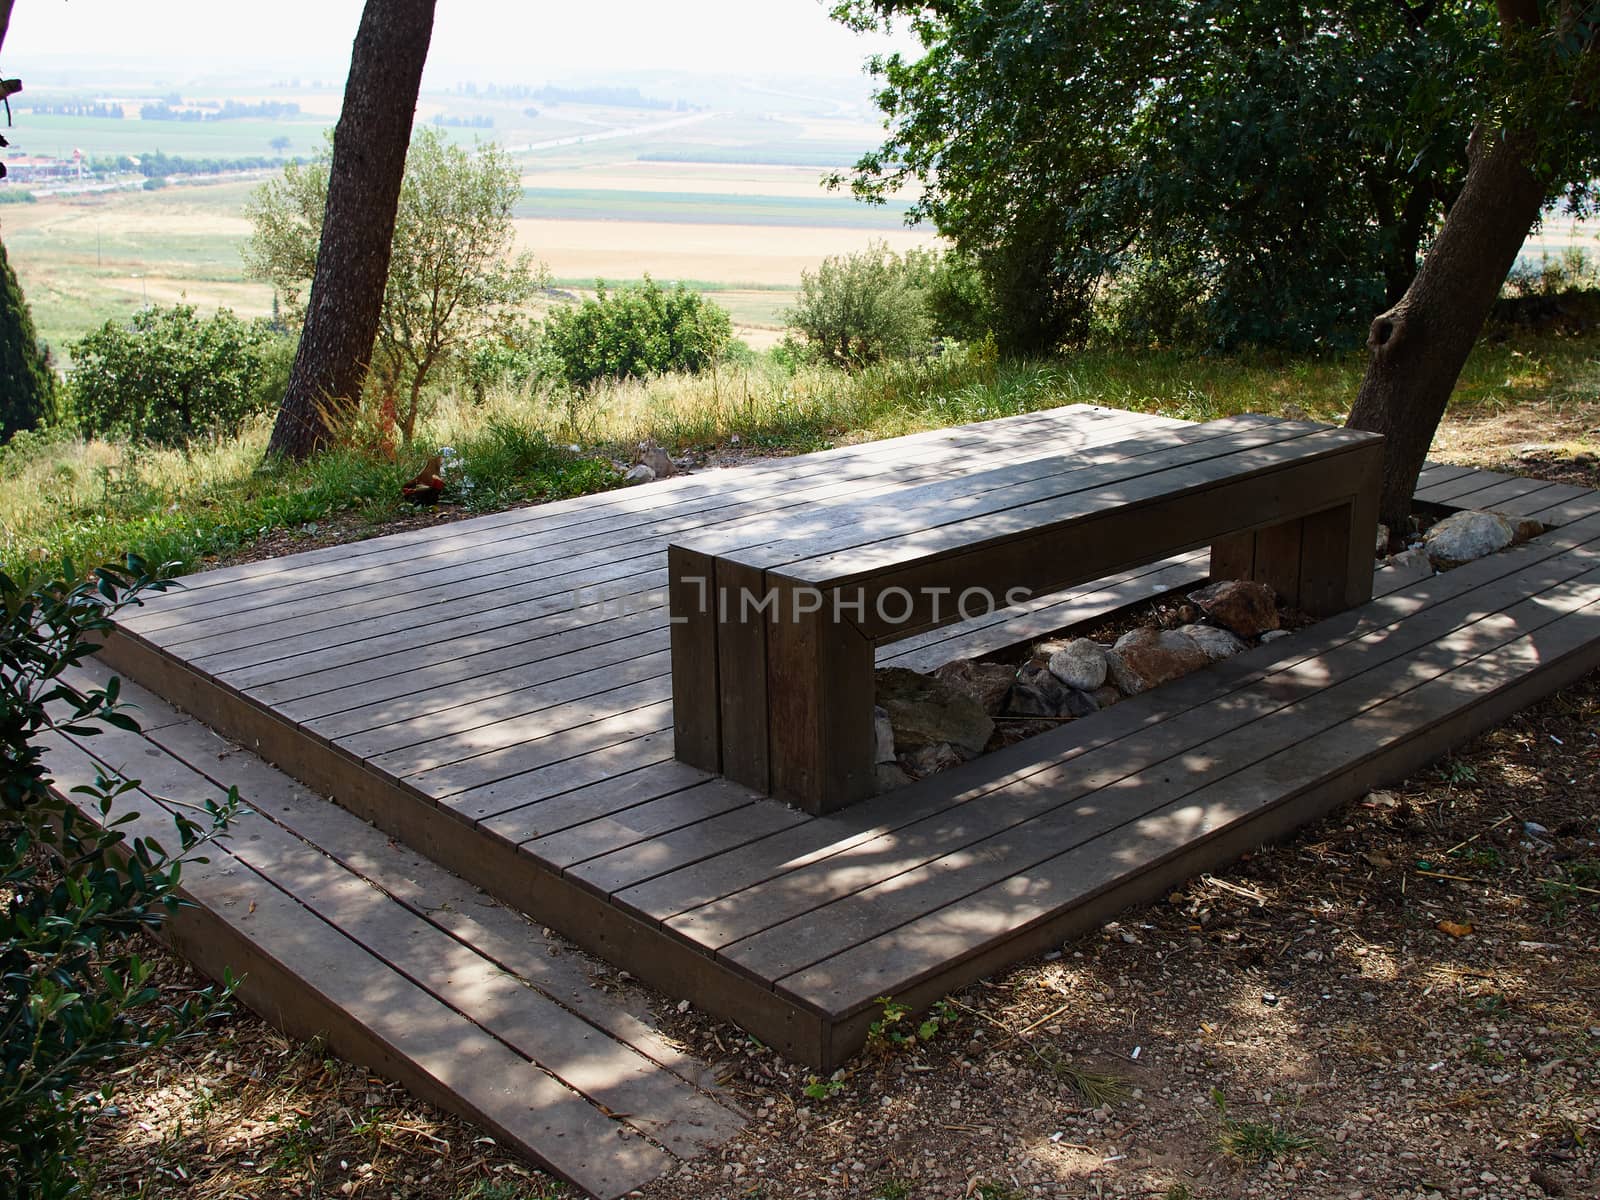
(1455, 928)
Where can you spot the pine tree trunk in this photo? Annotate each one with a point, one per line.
(369, 156)
(1418, 347)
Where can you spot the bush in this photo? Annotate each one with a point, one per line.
(27, 384)
(635, 331)
(167, 375)
(511, 357)
(74, 995)
(858, 309)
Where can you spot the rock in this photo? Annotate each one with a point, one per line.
(657, 459)
(987, 683)
(1147, 658)
(890, 776)
(1522, 527)
(1105, 697)
(1414, 560)
(1218, 644)
(1242, 605)
(929, 760)
(1079, 703)
(639, 473)
(883, 732)
(1080, 664)
(924, 711)
(1038, 693)
(1273, 635)
(1464, 536)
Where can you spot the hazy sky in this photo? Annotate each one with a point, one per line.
(501, 37)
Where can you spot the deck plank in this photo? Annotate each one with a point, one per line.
(762, 863)
(927, 869)
(378, 1016)
(441, 683)
(1353, 752)
(693, 497)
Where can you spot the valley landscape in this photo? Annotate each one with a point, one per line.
(718, 186)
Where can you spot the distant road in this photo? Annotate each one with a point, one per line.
(606, 135)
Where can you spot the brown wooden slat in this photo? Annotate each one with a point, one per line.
(1566, 512)
(385, 690)
(895, 876)
(444, 900)
(681, 496)
(480, 712)
(1462, 485)
(1493, 495)
(1545, 497)
(539, 784)
(1044, 615)
(318, 980)
(671, 894)
(458, 572)
(1366, 750)
(590, 713)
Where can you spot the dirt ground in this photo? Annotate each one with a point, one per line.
(1403, 1001)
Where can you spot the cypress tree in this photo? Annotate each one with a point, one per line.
(27, 386)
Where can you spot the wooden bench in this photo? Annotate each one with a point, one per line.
(775, 625)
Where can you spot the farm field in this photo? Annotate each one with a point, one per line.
(729, 201)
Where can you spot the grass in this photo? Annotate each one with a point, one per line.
(94, 500)
(1256, 1141)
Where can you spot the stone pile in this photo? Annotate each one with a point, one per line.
(927, 723)
(1459, 538)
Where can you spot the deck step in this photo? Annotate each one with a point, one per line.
(405, 968)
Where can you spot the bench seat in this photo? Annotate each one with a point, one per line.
(775, 625)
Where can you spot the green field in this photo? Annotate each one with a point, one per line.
(57, 137)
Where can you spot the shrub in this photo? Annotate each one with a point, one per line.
(861, 308)
(512, 356)
(637, 330)
(167, 375)
(27, 384)
(74, 995)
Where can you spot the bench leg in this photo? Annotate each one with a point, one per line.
(1321, 564)
(820, 698)
(696, 725)
(742, 674)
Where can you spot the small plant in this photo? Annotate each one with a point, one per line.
(1482, 857)
(1256, 1141)
(894, 1030)
(1095, 1088)
(893, 1189)
(996, 1191)
(1480, 1052)
(1455, 770)
(1179, 1191)
(821, 1089)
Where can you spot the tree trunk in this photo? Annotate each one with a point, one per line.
(1418, 347)
(369, 158)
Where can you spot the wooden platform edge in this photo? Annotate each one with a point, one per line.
(661, 959)
(1284, 818)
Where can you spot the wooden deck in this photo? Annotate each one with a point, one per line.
(337, 931)
(440, 684)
